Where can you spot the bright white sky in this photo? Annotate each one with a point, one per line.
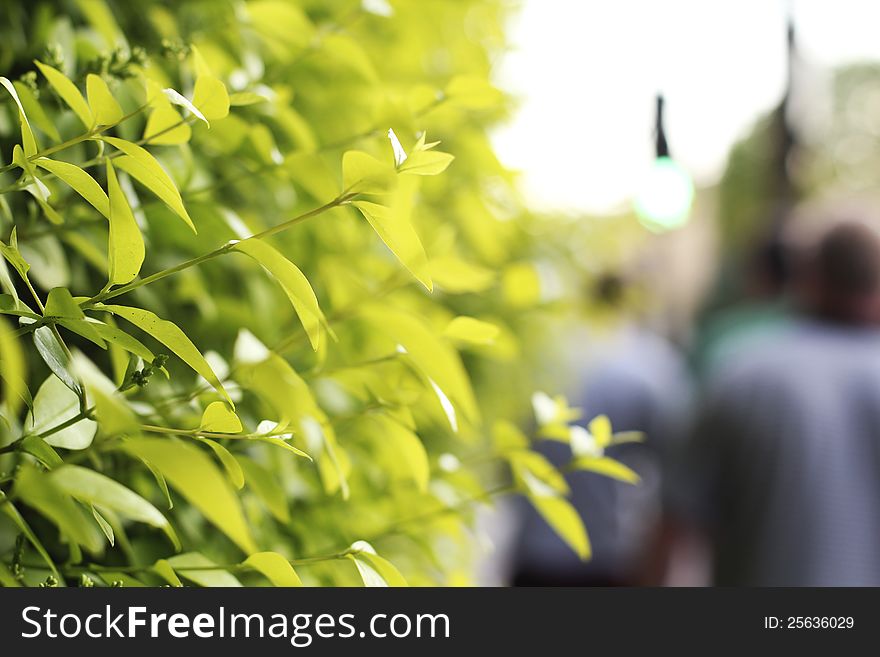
(587, 72)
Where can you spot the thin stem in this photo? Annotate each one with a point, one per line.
(73, 141)
(159, 275)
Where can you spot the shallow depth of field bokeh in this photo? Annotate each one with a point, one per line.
(420, 292)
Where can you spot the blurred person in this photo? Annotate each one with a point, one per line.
(639, 380)
(782, 475)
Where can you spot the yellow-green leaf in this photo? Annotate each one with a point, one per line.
(264, 484)
(470, 330)
(196, 477)
(55, 404)
(399, 236)
(565, 521)
(39, 492)
(172, 337)
(80, 181)
(227, 460)
(164, 570)
(364, 174)
(218, 418)
(209, 94)
(273, 567)
(374, 570)
(35, 111)
(426, 163)
(29, 144)
(102, 103)
(606, 466)
(68, 92)
(12, 369)
(199, 569)
(244, 98)
(95, 488)
(294, 283)
(144, 168)
(126, 248)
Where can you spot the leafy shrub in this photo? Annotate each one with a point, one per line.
(248, 299)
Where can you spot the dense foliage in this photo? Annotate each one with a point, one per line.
(258, 325)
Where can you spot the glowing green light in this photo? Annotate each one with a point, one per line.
(664, 201)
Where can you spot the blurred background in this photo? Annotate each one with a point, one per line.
(726, 158)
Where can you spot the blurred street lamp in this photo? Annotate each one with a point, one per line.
(664, 200)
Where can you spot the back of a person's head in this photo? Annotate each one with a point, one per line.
(844, 272)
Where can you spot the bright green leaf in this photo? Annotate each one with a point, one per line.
(102, 103)
(364, 174)
(294, 283)
(69, 93)
(470, 330)
(273, 567)
(56, 404)
(144, 168)
(172, 337)
(196, 477)
(80, 181)
(126, 247)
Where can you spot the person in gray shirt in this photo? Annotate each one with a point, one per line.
(782, 473)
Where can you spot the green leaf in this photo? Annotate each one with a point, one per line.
(199, 569)
(209, 93)
(264, 483)
(506, 437)
(55, 356)
(94, 488)
(13, 256)
(273, 567)
(218, 418)
(606, 466)
(172, 337)
(565, 521)
(244, 98)
(176, 98)
(434, 357)
(539, 475)
(112, 412)
(12, 370)
(144, 168)
(294, 283)
(60, 304)
(276, 382)
(374, 570)
(102, 103)
(8, 508)
(406, 455)
(283, 444)
(163, 569)
(364, 174)
(105, 526)
(196, 477)
(55, 404)
(471, 331)
(164, 126)
(28, 142)
(426, 163)
(38, 491)
(122, 339)
(35, 111)
(227, 460)
(80, 181)
(399, 235)
(69, 93)
(41, 450)
(126, 247)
